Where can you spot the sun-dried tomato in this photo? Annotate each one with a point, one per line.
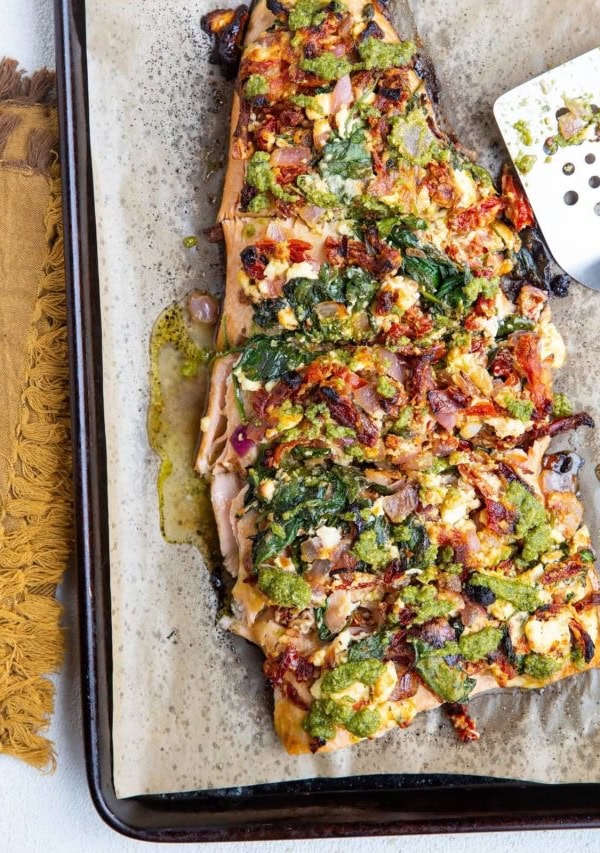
(517, 210)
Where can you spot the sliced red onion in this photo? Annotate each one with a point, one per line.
(401, 503)
(274, 232)
(202, 307)
(342, 94)
(394, 367)
(436, 633)
(240, 441)
(406, 686)
(311, 213)
(310, 549)
(473, 543)
(444, 408)
(368, 399)
(296, 156)
(330, 310)
(318, 574)
(336, 614)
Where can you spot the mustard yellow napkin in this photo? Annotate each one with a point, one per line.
(35, 458)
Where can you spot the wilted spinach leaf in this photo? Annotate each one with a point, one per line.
(267, 358)
(374, 646)
(348, 157)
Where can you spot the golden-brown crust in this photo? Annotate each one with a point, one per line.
(236, 169)
(236, 313)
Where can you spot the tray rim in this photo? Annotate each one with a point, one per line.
(309, 809)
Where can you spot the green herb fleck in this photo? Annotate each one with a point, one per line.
(587, 556)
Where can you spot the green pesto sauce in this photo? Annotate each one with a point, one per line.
(386, 388)
(540, 666)
(561, 406)
(308, 102)
(315, 194)
(480, 285)
(327, 66)
(303, 13)
(424, 599)
(325, 716)
(284, 588)
(403, 421)
(524, 131)
(379, 55)
(525, 163)
(370, 550)
(476, 646)
(524, 597)
(259, 174)
(364, 723)
(412, 138)
(532, 525)
(338, 679)
(256, 85)
(520, 409)
(259, 203)
(179, 356)
(448, 682)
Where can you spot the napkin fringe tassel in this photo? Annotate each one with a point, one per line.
(15, 85)
(36, 524)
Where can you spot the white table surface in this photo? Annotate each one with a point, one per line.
(54, 814)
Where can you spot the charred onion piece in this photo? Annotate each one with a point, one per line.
(582, 640)
(227, 28)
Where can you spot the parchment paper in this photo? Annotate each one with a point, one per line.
(190, 709)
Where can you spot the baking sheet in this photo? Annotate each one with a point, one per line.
(190, 708)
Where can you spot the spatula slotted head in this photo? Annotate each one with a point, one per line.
(551, 127)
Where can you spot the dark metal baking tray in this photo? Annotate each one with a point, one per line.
(317, 808)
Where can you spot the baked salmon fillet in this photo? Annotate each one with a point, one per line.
(398, 531)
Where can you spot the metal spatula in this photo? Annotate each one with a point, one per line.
(558, 160)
